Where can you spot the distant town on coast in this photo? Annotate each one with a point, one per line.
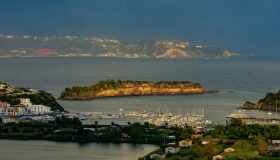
(78, 46)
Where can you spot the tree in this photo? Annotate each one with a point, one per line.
(186, 133)
(136, 131)
(262, 145)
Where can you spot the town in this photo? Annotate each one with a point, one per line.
(25, 110)
(30, 114)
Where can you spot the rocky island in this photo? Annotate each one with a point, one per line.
(113, 88)
(269, 103)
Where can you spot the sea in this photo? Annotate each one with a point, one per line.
(237, 81)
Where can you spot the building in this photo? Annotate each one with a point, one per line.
(229, 150)
(254, 117)
(171, 150)
(11, 111)
(156, 156)
(218, 157)
(4, 104)
(2, 86)
(38, 109)
(274, 148)
(15, 111)
(3, 107)
(185, 143)
(25, 102)
(205, 142)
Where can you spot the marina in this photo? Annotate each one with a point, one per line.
(155, 118)
(217, 106)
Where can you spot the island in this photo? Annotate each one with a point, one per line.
(119, 88)
(269, 103)
(29, 114)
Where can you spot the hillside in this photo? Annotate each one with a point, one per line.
(11, 94)
(112, 88)
(271, 102)
(74, 46)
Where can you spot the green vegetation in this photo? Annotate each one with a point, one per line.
(248, 142)
(12, 95)
(34, 130)
(40, 97)
(89, 92)
(71, 130)
(271, 102)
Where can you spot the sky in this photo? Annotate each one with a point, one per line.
(245, 26)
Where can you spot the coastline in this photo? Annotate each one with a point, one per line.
(128, 88)
(152, 95)
(71, 130)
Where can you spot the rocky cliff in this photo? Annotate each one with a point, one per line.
(132, 88)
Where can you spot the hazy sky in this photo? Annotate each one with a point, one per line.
(247, 26)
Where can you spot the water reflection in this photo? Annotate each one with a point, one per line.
(45, 150)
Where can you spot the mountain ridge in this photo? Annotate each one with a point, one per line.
(75, 46)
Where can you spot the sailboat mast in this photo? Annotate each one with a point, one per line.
(276, 104)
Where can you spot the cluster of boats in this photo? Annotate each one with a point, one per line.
(156, 118)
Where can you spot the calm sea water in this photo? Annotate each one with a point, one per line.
(237, 81)
(44, 150)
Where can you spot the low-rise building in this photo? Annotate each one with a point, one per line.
(25, 102)
(4, 104)
(156, 156)
(185, 143)
(171, 150)
(229, 150)
(205, 142)
(218, 157)
(274, 148)
(254, 117)
(3, 107)
(15, 111)
(2, 86)
(39, 109)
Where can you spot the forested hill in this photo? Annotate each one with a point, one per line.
(271, 102)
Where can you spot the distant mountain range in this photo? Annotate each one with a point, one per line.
(75, 46)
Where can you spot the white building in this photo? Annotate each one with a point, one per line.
(2, 86)
(15, 111)
(171, 150)
(185, 143)
(39, 109)
(3, 107)
(25, 102)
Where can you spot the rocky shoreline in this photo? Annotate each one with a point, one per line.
(269, 103)
(112, 88)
